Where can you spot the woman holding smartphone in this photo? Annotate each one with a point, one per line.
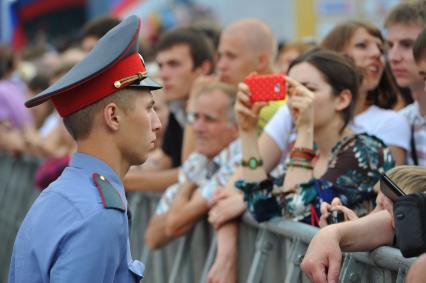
(327, 158)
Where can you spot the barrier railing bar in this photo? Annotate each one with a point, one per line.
(386, 257)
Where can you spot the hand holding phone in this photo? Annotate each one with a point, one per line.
(266, 87)
(335, 216)
(389, 188)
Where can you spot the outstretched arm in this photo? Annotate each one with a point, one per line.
(323, 257)
(155, 236)
(187, 209)
(149, 181)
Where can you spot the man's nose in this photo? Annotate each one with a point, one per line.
(163, 73)
(156, 123)
(221, 64)
(198, 125)
(394, 54)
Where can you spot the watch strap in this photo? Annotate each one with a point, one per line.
(252, 163)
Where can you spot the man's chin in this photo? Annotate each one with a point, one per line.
(139, 160)
(403, 83)
(226, 79)
(207, 153)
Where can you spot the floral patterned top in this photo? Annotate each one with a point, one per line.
(354, 168)
(208, 175)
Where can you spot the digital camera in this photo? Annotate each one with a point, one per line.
(335, 216)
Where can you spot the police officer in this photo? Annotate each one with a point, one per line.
(77, 229)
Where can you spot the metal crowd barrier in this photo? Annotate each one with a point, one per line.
(17, 193)
(267, 252)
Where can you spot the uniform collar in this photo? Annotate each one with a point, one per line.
(92, 165)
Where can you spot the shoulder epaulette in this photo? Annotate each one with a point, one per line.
(109, 195)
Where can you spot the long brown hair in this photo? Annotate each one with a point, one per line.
(386, 92)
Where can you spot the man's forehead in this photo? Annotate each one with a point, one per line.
(399, 31)
(174, 52)
(215, 99)
(233, 43)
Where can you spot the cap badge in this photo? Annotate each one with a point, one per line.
(137, 77)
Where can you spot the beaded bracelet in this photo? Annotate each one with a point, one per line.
(303, 152)
(300, 163)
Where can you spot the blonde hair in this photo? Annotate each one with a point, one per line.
(411, 179)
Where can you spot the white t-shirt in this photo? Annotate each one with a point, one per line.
(388, 125)
(281, 129)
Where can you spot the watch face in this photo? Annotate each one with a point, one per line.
(252, 163)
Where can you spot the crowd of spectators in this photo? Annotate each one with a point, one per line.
(355, 109)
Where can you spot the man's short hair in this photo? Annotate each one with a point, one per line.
(99, 26)
(80, 123)
(419, 47)
(407, 13)
(229, 90)
(200, 47)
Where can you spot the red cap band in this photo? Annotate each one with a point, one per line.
(98, 87)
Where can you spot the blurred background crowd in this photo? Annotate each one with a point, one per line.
(356, 107)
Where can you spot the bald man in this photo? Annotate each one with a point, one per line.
(245, 46)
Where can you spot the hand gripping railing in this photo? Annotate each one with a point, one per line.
(384, 264)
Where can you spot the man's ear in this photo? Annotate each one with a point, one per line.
(205, 68)
(262, 61)
(343, 100)
(111, 116)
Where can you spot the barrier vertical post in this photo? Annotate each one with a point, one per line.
(297, 251)
(210, 259)
(263, 246)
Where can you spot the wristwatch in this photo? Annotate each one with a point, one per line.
(252, 163)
